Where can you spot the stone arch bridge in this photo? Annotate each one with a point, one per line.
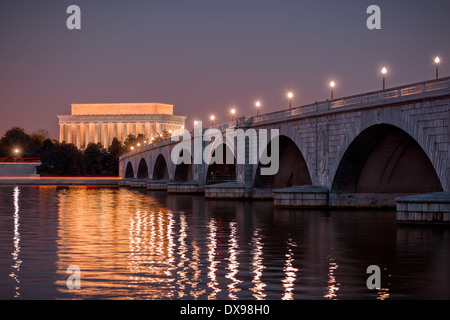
(364, 151)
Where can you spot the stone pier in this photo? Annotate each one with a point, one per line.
(431, 208)
(301, 197)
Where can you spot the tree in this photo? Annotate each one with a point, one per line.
(162, 136)
(133, 141)
(93, 159)
(16, 138)
(62, 160)
(41, 133)
(111, 163)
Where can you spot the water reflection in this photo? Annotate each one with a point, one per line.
(333, 285)
(290, 271)
(233, 263)
(257, 266)
(142, 245)
(16, 241)
(212, 247)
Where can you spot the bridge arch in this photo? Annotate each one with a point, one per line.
(293, 169)
(160, 171)
(183, 171)
(129, 172)
(384, 158)
(142, 172)
(225, 172)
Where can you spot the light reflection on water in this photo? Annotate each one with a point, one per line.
(16, 240)
(141, 245)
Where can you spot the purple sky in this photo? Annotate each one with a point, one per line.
(205, 56)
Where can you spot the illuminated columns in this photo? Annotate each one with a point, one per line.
(105, 135)
(115, 131)
(96, 132)
(78, 136)
(69, 133)
(86, 134)
(61, 132)
(124, 132)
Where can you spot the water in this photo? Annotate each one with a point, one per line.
(132, 244)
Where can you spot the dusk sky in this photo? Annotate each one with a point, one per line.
(206, 56)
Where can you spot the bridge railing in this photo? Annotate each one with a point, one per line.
(366, 99)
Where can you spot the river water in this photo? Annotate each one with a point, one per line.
(137, 244)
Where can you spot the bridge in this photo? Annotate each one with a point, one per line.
(365, 150)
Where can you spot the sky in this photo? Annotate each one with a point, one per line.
(206, 56)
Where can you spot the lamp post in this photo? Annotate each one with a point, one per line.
(437, 61)
(332, 85)
(16, 153)
(212, 120)
(258, 105)
(384, 72)
(290, 95)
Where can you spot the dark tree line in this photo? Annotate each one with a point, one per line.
(61, 159)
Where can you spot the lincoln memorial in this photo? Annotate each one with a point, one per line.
(102, 122)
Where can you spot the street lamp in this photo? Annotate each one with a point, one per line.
(233, 112)
(384, 72)
(16, 152)
(258, 105)
(437, 61)
(332, 85)
(290, 95)
(212, 120)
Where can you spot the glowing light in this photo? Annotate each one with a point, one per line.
(138, 144)
(233, 111)
(332, 84)
(290, 95)
(384, 70)
(132, 148)
(437, 60)
(258, 104)
(212, 117)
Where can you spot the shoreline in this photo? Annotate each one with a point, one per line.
(60, 181)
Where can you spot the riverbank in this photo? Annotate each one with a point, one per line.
(59, 181)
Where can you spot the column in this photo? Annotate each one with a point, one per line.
(147, 131)
(78, 136)
(152, 130)
(138, 128)
(115, 131)
(97, 133)
(61, 132)
(105, 135)
(134, 129)
(120, 131)
(83, 135)
(92, 132)
(124, 132)
(87, 132)
(69, 133)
